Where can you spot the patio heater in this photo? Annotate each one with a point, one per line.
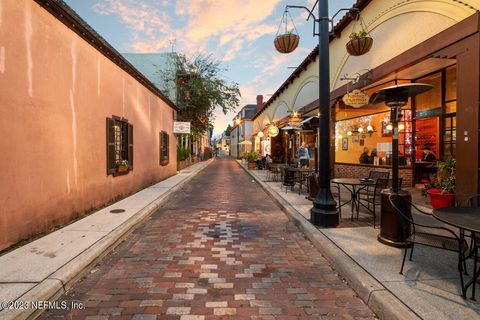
(395, 97)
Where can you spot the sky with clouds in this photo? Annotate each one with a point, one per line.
(239, 33)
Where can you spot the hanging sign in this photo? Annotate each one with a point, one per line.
(181, 127)
(273, 131)
(356, 99)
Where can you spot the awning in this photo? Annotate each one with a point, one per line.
(307, 120)
(291, 128)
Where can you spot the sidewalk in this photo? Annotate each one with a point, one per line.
(45, 268)
(429, 288)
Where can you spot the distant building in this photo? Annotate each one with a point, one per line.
(242, 132)
(153, 66)
(222, 144)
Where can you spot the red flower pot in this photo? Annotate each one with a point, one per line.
(441, 200)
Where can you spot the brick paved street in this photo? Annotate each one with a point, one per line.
(220, 249)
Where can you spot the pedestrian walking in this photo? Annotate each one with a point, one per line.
(303, 155)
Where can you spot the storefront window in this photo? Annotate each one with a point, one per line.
(372, 132)
(431, 99)
(451, 83)
(451, 107)
(427, 136)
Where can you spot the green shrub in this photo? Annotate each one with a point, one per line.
(251, 156)
(182, 153)
(446, 176)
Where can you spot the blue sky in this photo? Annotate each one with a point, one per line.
(239, 33)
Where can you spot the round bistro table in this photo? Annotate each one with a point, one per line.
(354, 185)
(466, 219)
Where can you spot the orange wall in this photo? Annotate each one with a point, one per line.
(55, 93)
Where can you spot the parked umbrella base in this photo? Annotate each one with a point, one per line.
(391, 227)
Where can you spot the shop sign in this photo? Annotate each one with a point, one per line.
(181, 127)
(356, 99)
(273, 131)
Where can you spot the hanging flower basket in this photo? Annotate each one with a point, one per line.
(287, 40)
(360, 46)
(286, 43)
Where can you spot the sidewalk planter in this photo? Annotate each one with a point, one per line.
(252, 166)
(286, 43)
(441, 200)
(358, 47)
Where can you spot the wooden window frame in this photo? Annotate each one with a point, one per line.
(116, 152)
(164, 148)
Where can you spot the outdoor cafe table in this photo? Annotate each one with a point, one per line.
(467, 219)
(353, 185)
(298, 175)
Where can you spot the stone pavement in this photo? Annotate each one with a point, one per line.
(43, 269)
(220, 249)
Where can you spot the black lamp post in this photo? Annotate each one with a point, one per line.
(395, 97)
(324, 212)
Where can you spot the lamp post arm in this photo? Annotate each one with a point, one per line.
(310, 14)
(356, 10)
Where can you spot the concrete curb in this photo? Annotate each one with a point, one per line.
(381, 301)
(63, 279)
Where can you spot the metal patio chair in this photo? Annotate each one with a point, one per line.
(370, 197)
(423, 234)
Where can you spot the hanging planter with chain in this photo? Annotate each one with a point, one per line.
(360, 41)
(289, 40)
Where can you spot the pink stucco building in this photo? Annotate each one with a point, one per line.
(71, 108)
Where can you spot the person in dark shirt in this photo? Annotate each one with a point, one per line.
(426, 169)
(428, 155)
(372, 155)
(364, 158)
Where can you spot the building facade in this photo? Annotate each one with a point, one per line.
(424, 41)
(242, 131)
(72, 111)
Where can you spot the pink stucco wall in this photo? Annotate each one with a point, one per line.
(55, 93)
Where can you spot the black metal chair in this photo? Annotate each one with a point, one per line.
(335, 189)
(370, 197)
(474, 201)
(374, 175)
(288, 178)
(423, 234)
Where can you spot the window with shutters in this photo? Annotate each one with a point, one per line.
(164, 148)
(119, 146)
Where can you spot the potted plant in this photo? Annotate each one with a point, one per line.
(251, 157)
(286, 43)
(122, 165)
(360, 43)
(442, 191)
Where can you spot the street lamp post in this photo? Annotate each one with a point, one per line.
(324, 212)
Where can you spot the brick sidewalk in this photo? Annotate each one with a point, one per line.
(220, 249)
